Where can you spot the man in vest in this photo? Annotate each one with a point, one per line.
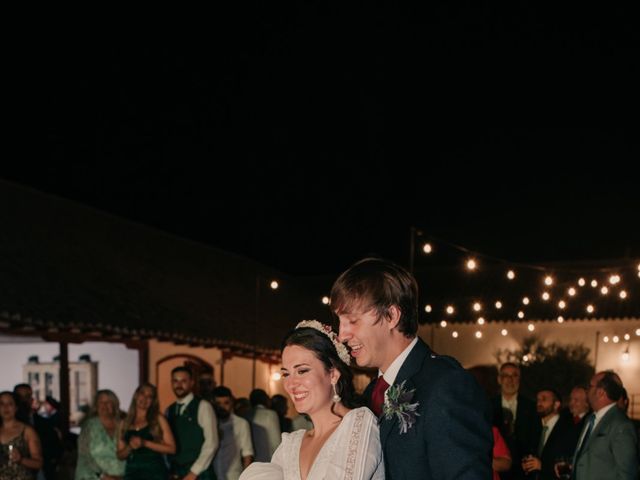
(194, 427)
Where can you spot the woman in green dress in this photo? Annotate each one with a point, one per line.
(146, 437)
(98, 440)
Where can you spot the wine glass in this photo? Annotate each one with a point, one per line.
(563, 467)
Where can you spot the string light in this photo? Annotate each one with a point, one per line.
(275, 376)
(531, 327)
(511, 274)
(548, 280)
(594, 283)
(614, 279)
(560, 319)
(428, 308)
(525, 300)
(627, 337)
(590, 308)
(450, 310)
(454, 334)
(443, 323)
(478, 334)
(625, 355)
(546, 296)
(471, 264)
(274, 285)
(623, 294)
(525, 358)
(498, 304)
(637, 332)
(582, 282)
(325, 300)
(605, 339)
(520, 314)
(427, 248)
(571, 291)
(480, 321)
(615, 339)
(562, 304)
(477, 306)
(504, 332)
(604, 290)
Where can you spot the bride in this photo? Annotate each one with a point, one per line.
(344, 443)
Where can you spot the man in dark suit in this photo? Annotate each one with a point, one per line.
(516, 418)
(449, 435)
(608, 445)
(557, 438)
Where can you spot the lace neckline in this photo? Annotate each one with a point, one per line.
(320, 453)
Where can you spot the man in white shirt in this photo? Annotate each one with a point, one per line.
(608, 445)
(265, 426)
(236, 450)
(194, 427)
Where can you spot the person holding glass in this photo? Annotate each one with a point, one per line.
(21, 455)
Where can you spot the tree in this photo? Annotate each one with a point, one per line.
(552, 365)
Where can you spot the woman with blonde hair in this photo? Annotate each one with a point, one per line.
(98, 440)
(146, 437)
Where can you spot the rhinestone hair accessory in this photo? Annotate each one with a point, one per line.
(340, 347)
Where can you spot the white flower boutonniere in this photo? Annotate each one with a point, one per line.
(398, 403)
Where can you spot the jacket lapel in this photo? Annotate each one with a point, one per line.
(410, 367)
(603, 426)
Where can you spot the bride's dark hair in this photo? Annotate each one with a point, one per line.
(324, 350)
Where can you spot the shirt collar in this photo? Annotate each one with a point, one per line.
(393, 370)
(186, 400)
(551, 423)
(603, 411)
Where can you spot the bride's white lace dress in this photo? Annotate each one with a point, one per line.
(352, 452)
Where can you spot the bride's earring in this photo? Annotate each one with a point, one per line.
(336, 398)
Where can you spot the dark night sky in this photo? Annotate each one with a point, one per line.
(307, 136)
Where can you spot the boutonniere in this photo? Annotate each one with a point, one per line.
(398, 403)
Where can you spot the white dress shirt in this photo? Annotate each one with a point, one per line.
(393, 370)
(235, 444)
(511, 405)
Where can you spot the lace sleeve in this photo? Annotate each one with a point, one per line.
(364, 453)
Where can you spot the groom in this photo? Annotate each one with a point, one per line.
(449, 436)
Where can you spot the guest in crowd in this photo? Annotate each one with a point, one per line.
(557, 438)
(195, 427)
(280, 405)
(98, 441)
(52, 446)
(242, 407)
(146, 437)
(21, 457)
(516, 418)
(579, 406)
(236, 449)
(265, 426)
(501, 461)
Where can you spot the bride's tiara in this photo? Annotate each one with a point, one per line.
(341, 348)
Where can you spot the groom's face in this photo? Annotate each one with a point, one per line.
(367, 337)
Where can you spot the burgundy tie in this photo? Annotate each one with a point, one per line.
(377, 396)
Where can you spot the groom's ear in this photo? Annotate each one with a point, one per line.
(393, 316)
